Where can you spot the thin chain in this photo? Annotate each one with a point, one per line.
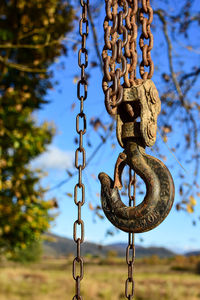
(130, 250)
(80, 154)
(146, 34)
(120, 62)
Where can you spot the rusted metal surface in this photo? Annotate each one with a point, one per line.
(159, 192)
(130, 250)
(80, 154)
(120, 50)
(129, 99)
(146, 35)
(119, 54)
(140, 100)
(134, 98)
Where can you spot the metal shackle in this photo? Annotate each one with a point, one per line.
(159, 196)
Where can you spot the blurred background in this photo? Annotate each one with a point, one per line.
(39, 44)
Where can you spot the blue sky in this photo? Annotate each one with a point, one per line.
(176, 232)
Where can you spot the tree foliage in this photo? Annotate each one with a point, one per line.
(31, 34)
(32, 253)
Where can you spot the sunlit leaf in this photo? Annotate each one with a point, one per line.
(99, 215)
(69, 195)
(193, 201)
(189, 208)
(91, 206)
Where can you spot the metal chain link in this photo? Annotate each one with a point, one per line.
(146, 34)
(80, 154)
(119, 53)
(120, 61)
(130, 250)
(130, 49)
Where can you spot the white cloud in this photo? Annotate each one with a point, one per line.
(54, 159)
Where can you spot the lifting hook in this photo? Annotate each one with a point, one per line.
(140, 100)
(159, 192)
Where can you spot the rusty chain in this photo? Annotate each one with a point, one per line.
(130, 250)
(120, 62)
(119, 53)
(146, 34)
(80, 154)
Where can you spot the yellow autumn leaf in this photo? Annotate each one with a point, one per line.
(167, 129)
(190, 209)
(20, 202)
(36, 62)
(8, 184)
(91, 206)
(45, 22)
(75, 79)
(193, 201)
(23, 245)
(6, 228)
(165, 138)
(27, 95)
(52, 20)
(29, 218)
(69, 195)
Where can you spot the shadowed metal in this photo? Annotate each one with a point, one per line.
(159, 192)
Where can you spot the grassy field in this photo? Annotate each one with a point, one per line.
(51, 280)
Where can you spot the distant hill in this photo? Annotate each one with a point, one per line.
(145, 251)
(62, 246)
(193, 253)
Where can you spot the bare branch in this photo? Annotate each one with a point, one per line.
(188, 75)
(21, 67)
(39, 46)
(176, 83)
(95, 38)
(169, 45)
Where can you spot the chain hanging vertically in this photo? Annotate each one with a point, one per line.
(135, 103)
(130, 250)
(80, 154)
(146, 34)
(120, 54)
(122, 61)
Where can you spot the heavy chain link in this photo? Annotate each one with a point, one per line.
(120, 62)
(120, 53)
(146, 34)
(130, 250)
(80, 154)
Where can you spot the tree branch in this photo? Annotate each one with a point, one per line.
(39, 46)
(94, 33)
(21, 67)
(176, 83)
(169, 45)
(188, 75)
